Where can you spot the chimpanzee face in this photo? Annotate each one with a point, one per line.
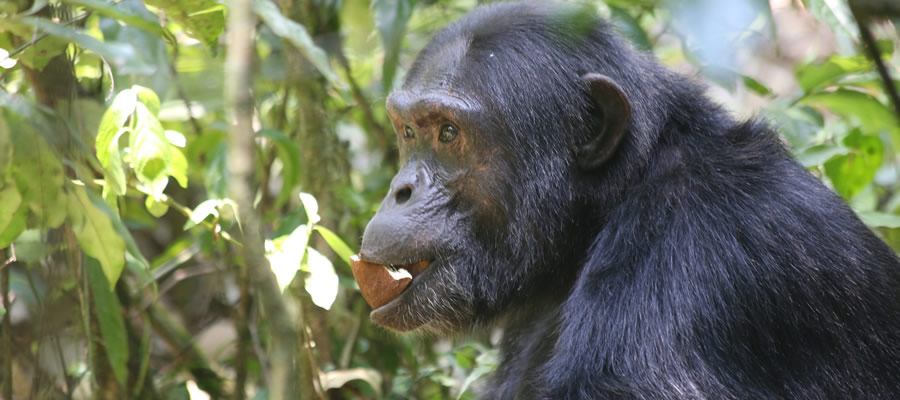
(482, 206)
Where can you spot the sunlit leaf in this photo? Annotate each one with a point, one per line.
(340, 248)
(151, 153)
(156, 207)
(109, 317)
(285, 255)
(203, 210)
(178, 167)
(322, 281)
(202, 19)
(112, 122)
(338, 378)
(96, 234)
(311, 206)
(148, 98)
(112, 10)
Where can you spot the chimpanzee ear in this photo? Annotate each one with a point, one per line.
(615, 110)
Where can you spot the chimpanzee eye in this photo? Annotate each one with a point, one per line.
(448, 133)
(408, 132)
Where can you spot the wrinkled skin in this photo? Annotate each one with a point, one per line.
(633, 240)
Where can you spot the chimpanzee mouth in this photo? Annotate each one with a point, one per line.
(381, 283)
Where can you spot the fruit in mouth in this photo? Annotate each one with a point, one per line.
(379, 283)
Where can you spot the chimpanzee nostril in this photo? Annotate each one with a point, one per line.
(404, 194)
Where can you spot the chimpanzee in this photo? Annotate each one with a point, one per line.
(633, 240)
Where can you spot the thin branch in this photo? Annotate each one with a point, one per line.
(6, 351)
(283, 316)
(371, 123)
(871, 47)
(242, 322)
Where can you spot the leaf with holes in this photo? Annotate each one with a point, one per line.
(852, 172)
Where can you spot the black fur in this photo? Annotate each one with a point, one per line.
(701, 261)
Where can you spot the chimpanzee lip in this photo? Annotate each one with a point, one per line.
(414, 268)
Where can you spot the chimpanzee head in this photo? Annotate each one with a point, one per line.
(509, 123)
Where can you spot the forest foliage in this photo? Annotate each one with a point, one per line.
(123, 263)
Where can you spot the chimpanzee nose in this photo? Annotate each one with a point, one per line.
(405, 187)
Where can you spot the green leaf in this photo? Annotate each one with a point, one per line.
(866, 110)
(876, 219)
(290, 159)
(113, 171)
(5, 145)
(113, 121)
(816, 76)
(340, 248)
(124, 14)
(148, 98)
(12, 216)
(178, 167)
(96, 234)
(2, 311)
(818, 155)
(156, 207)
(137, 259)
(151, 152)
(391, 18)
(202, 19)
(322, 281)
(15, 227)
(37, 116)
(852, 172)
(109, 317)
(40, 178)
(119, 55)
(756, 86)
(297, 35)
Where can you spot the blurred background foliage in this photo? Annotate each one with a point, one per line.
(121, 272)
